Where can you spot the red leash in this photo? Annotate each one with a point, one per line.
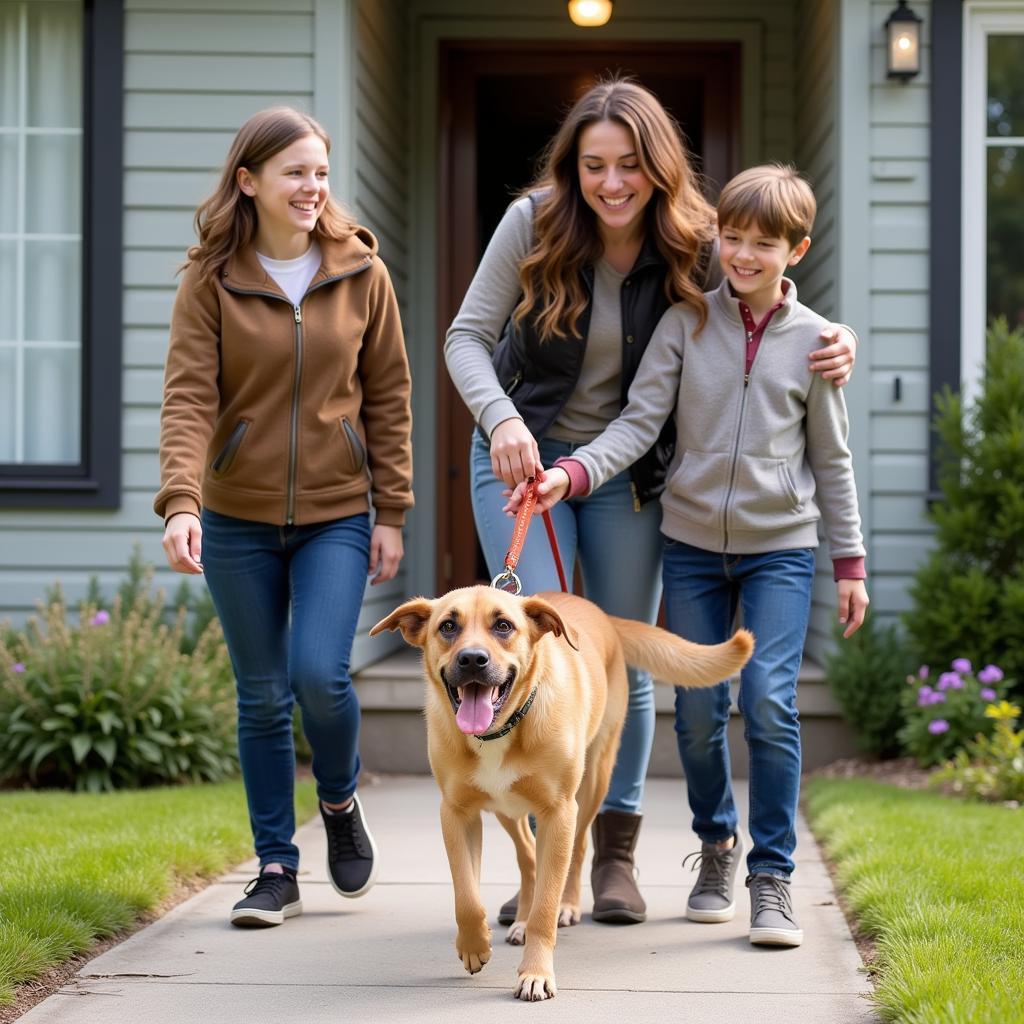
(508, 580)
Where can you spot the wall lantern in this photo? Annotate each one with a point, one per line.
(903, 39)
(590, 13)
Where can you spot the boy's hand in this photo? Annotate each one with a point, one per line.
(853, 604)
(835, 361)
(552, 486)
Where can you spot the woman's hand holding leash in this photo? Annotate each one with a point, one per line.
(551, 487)
(183, 543)
(515, 456)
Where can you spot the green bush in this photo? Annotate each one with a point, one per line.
(114, 701)
(990, 767)
(969, 594)
(865, 673)
(946, 712)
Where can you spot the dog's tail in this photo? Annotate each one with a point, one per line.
(671, 659)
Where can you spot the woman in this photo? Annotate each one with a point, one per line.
(543, 351)
(285, 417)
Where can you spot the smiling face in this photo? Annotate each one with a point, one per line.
(289, 192)
(478, 644)
(611, 181)
(755, 263)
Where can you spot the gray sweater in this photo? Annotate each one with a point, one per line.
(755, 466)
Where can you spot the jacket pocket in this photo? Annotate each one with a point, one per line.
(765, 497)
(226, 456)
(698, 486)
(356, 450)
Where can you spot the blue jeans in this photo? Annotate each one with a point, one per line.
(619, 551)
(773, 592)
(288, 598)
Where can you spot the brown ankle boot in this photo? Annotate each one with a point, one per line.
(616, 897)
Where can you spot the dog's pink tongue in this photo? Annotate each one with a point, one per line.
(475, 713)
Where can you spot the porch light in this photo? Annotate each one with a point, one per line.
(903, 39)
(590, 13)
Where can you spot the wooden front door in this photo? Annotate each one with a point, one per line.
(500, 104)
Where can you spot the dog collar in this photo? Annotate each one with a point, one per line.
(513, 721)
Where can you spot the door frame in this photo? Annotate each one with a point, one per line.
(430, 26)
(462, 64)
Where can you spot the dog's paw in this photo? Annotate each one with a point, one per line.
(569, 914)
(533, 988)
(473, 948)
(516, 934)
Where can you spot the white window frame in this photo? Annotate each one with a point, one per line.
(982, 18)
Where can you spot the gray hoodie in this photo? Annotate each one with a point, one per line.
(756, 465)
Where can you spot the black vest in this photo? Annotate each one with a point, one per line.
(540, 376)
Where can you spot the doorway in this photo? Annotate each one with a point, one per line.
(500, 104)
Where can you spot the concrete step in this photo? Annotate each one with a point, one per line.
(393, 734)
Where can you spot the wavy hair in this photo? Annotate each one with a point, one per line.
(678, 217)
(226, 221)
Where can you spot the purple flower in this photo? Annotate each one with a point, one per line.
(937, 698)
(940, 725)
(947, 680)
(987, 693)
(924, 672)
(101, 618)
(924, 696)
(961, 665)
(18, 667)
(990, 674)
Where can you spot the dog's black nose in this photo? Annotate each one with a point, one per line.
(472, 658)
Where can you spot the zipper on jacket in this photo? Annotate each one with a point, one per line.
(514, 382)
(294, 427)
(736, 447)
(293, 433)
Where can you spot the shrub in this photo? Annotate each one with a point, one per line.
(990, 767)
(969, 594)
(945, 713)
(114, 702)
(865, 673)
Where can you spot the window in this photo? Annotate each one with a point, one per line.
(60, 281)
(993, 196)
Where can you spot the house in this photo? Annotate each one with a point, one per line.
(115, 115)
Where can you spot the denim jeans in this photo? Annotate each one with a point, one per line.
(619, 552)
(773, 592)
(288, 598)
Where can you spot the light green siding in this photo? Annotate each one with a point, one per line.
(191, 77)
(897, 258)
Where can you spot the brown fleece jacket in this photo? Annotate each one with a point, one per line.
(288, 414)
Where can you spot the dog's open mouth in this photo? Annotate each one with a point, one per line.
(476, 704)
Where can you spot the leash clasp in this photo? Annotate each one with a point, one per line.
(507, 581)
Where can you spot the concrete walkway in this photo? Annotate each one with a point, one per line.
(389, 957)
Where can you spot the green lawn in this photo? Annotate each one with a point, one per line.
(80, 866)
(938, 884)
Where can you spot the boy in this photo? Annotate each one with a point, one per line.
(761, 456)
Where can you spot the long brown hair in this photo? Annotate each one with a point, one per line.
(226, 221)
(566, 229)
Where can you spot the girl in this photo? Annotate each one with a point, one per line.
(286, 415)
(543, 351)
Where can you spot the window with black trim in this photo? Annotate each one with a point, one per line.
(60, 252)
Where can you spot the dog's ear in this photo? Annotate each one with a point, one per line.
(411, 618)
(547, 620)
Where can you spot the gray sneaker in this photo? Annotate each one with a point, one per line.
(772, 921)
(711, 899)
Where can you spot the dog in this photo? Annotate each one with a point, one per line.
(525, 702)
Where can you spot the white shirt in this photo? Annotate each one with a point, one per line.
(293, 276)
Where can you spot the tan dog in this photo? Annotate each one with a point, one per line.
(525, 703)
